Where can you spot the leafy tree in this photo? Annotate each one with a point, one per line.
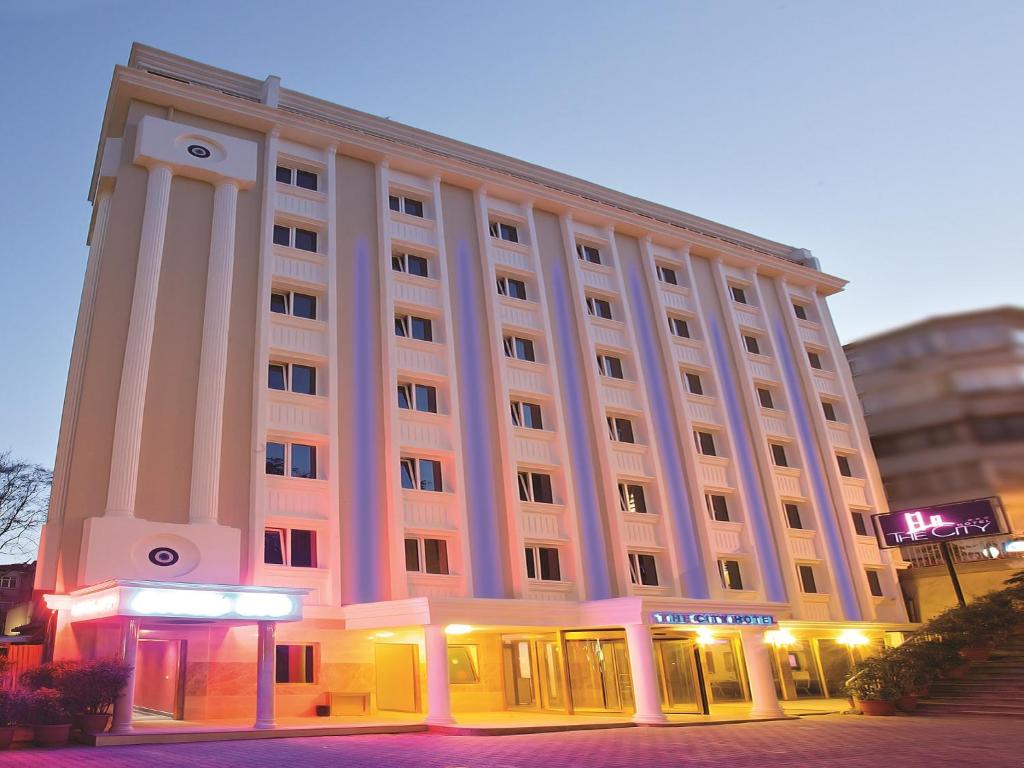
(24, 495)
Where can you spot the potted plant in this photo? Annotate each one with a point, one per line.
(48, 717)
(875, 686)
(90, 689)
(12, 713)
(914, 673)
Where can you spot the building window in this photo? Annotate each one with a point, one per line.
(860, 526)
(293, 303)
(503, 231)
(462, 667)
(718, 507)
(426, 555)
(705, 442)
(643, 569)
(519, 348)
(514, 289)
(588, 253)
(693, 383)
(8, 582)
(526, 415)
(729, 572)
(610, 366)
(764, 396)
(666, 275)
(294, 459)
(417, 397)
(294, 664)
(807, 585)
(293, 547)
(297, 177)
(620, 429)
(844, 465)
(410, 263)
(793, 516)
(535, 487)
(631, 498)
(800, 311)
(677, 326)
(599, 308)
(421, 474)
(829, 410)
(542, 563)
(815, 360)
(738, 294)
(413, 327)
(875, 584)
(407, 205)
(295, 237)
(752, 344)
(779, 457)
(300, 379)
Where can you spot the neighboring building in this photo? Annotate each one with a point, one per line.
(15, 596)
(414, 401)
(944, 402)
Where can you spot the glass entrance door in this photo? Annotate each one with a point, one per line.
(836, 663)
(677, 675)
(519, 678)
(599, 674)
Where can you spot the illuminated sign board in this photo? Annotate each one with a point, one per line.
(943, 522)
(714, 619)
(183, 601)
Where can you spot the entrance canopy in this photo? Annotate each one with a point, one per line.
(179, 600)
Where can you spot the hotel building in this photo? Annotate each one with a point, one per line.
(944, 404)
(364, 418)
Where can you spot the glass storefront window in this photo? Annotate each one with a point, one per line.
(722, 674)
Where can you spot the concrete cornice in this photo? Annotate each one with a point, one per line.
(172, 80)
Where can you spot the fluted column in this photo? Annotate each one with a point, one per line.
(209, 428)
(131, 399)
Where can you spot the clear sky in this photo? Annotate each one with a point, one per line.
(884, 136)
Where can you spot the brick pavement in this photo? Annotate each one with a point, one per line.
(831, 741)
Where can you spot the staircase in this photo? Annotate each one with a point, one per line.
(993, 687)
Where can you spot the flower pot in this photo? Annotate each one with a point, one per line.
(976, 652)
(6, 736)
(957, 673)
(876, 708)
(906, 703)
(92, 723)
(51, 735)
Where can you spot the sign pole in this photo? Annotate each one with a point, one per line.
(948, 557)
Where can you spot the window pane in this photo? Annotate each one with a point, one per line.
(305, 240)
(829, 411)
(284, 175)
(304, 305)
(408, 469)
(303, 460)
(531, 416)
(779, 455)
(648, 570)
(400, 326)
(549, 570)
(282, 235)
(430, 475)
(413, 207)
(510, 233)
(517, 289)
(531, 568)
(276, 377)
(718, 507)
(412, 555)
(403, 397)
(693, 383)
(426, 398)
(542, 488)
(303, 549)
(524, 486)
(752, 346)
(764, 396)
(394, 203)
(635, 499)
(669, 276)
(422, 328)
(807, 579)
(275, 458)
(793, 516)
(417, 265)
(279, 303)
(739, 295)
(273, 546)
(814, 359)
(306, 180)
(874, 584)
(524, 350)
(799, 311)
(435, 555)
(304, 379)
(461, 668)
(858, 524)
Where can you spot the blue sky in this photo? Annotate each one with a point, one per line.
(885, 137)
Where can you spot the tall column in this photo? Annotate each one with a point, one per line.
(265, 653)
(122, 720)
(206, 445)
(439, 704)
(645, 675)
(764, 701)
(131, 398)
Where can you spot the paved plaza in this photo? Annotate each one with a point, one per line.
(826, 741)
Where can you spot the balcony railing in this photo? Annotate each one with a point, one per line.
(973, 551)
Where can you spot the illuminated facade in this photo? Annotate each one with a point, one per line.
(476, 422)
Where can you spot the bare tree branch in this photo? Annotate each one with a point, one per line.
(24, 496)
